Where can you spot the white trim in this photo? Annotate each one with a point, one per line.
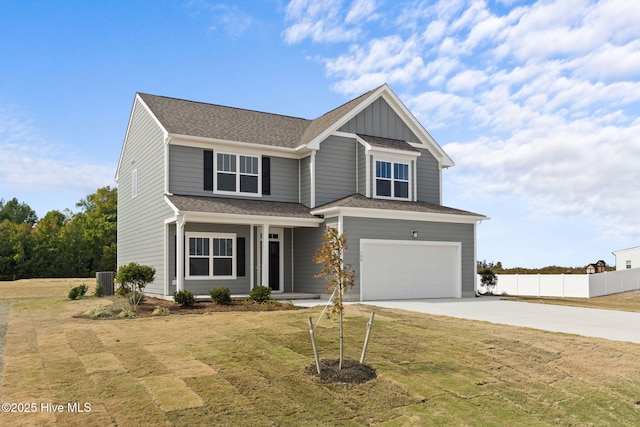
(180, 248)
(265, 255)
(396, 214)
(393, 162)
(211, 236)
(237, 174)
(214, 143)
(367, 168)
(167, 141)
(252, 278)
(166, 259)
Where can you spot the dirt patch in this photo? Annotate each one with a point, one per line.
(352, 372)
(155, 307)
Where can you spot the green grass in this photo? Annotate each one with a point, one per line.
(247, 369)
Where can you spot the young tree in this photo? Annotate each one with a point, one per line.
(337, 274)
(133, 278)
(488, 279)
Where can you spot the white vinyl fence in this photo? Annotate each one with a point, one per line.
(568, 285)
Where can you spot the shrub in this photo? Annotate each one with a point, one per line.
(221, 295)
(98, 312)
(132, 279)
(184, 298)
(77, 292)
(127, 314)
(260, 293)
(99, 292)
(489, 280)
(161, 311)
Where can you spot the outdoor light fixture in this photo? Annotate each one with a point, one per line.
(414, 234)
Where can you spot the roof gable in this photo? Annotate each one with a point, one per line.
(209, 121)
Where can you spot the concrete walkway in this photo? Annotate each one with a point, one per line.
(589, 322)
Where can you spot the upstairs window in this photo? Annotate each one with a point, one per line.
(628, 263)
(392, 180)
(237, 173)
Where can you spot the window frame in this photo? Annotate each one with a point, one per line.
(211, 255)
(409, 163)
(238, 174)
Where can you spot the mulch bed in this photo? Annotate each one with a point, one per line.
(351, 372)
(149, 305)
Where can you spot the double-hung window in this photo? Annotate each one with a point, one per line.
(392, 180)
(237, 173)
(211, 255)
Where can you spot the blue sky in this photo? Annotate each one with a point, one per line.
(536, 102)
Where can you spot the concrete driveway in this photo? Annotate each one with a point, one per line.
(589, 322)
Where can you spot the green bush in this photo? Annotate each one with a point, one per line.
(260, 293)
(184, 298)
(99, 292)
(221, 295)
(127, 314)
(132, 279)
(77, 292)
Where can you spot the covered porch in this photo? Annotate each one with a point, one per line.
(237, 243)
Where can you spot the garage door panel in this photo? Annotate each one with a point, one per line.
(409, 269)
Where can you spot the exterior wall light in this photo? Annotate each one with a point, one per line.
(414, 234)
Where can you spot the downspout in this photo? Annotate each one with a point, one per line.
(167, 142)
(312, 178)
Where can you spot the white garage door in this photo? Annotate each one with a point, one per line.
(400, 269)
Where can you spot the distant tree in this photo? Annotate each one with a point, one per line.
(16, 246)
(100, 216)
(48, 254)
(17, 212)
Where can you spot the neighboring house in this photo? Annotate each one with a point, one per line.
(596, 267)
(218, 196)
(627, 258)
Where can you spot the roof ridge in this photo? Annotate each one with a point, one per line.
(224, 106)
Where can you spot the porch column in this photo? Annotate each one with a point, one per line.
(265, 255)
(180, 253)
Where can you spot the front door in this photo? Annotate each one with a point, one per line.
(274, 265)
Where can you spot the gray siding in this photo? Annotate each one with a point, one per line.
(369, 228)
(186, 175)
(428, 177)
(379, 119)
(362, 170)
(305, 181)
(335, 169)
(306, 241)
(141, 219)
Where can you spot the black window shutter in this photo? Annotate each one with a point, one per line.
(240, 265)
(208, 170)
(266, 175)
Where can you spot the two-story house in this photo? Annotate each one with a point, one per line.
(218, 196)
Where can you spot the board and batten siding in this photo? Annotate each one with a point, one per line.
(428, 177)
(379, 119)
(335, 169)
(186, 175)
(370, 228)
(141, 218)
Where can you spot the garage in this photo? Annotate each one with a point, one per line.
(400, 269)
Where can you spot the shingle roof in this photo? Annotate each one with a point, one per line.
(240, 206)
(360, 201)
(395, 144)
(192, 118)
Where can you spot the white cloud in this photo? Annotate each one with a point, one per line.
(320, 21)
(32, 164)
(548, 93)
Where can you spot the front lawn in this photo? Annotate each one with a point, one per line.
(248, 368)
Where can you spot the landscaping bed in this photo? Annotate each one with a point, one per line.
(154, 307)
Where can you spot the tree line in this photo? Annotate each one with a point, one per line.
(497, 268)
(60, 244)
